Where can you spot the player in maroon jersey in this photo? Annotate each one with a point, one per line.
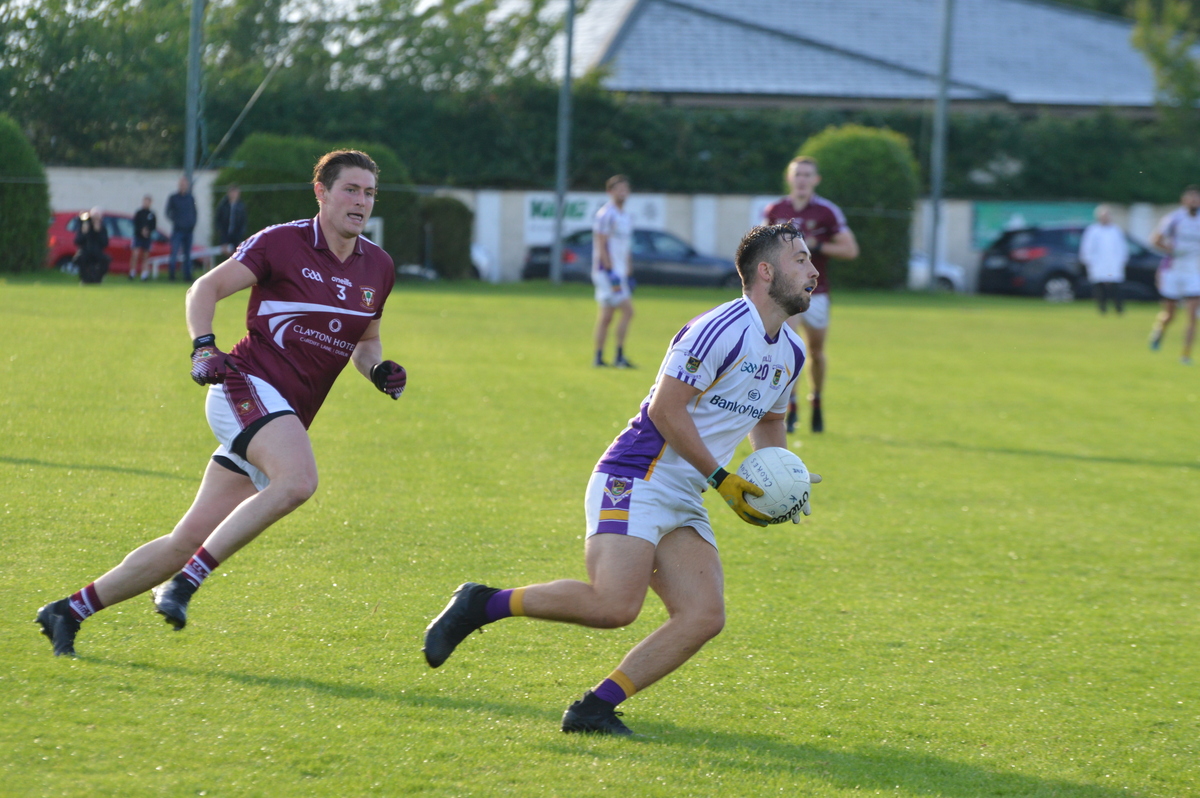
(317, 294)
(828, 236)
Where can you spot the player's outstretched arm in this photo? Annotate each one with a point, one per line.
(386, 375)
(209, 364)
(668, 411)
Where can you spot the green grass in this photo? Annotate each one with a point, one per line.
(996, 594)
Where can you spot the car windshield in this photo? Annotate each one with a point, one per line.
(669, 246)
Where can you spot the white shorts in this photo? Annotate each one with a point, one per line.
(235, 412)
(817, 315)
(610, 293)
(646, 510)
(1181, 281)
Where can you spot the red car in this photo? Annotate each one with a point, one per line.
(120, 240)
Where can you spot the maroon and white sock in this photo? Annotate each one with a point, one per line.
(86, 603)
(199, 567)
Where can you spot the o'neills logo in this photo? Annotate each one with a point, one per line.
(736, 407)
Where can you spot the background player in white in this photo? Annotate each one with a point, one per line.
(318, 294)
(1178, 234)
(827, 236)
(726, 375)
(612, 243)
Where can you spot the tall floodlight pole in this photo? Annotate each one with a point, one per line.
(937, 156)
(193, 90)
(564, 149)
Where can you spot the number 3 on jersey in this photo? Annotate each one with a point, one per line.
(341, 292)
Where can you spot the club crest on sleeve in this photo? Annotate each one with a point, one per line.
(693, 365)
(775, 379)
(368, 297)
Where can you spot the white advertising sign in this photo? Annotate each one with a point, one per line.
(647, 211)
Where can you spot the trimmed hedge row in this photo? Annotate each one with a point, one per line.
(24, 201)
(872, 175)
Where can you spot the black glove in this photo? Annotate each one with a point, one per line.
(209, 364)
(389, 377)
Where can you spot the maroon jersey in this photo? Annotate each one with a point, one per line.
(308, 310)
(819, 220)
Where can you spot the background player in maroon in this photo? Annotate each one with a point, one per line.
(828, 236)
(318, 290)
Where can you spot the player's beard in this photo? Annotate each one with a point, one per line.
(791, 299)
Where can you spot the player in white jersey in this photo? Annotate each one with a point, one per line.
(1178, 234)
(612, 248)
(726, 375)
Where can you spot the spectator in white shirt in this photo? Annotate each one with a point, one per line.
(1104, 251)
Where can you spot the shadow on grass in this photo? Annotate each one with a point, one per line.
(141, 472)
(1082, 458)
(702, 750)
(876, 767)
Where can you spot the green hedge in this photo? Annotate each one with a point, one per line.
(24, 201)
(872, 175)
(449, 224)
(266, 164)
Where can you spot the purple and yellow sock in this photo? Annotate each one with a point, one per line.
(506, 603)
(615, 689)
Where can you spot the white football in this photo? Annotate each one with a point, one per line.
(784, 480)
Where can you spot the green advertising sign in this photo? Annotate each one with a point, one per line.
(993, 218)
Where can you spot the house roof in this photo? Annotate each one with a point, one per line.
(1021, 52)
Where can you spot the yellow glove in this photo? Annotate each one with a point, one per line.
(732, 488)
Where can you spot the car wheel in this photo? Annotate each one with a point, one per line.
(944, 284)
(732, 281)
(1059, 288)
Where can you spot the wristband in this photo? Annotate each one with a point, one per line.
(717, 477)
(204, 340)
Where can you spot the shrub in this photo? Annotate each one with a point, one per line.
(24, 201)
(872, 175)
(275, 173)
(449, 240)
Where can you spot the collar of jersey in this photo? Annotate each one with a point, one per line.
(319, 241)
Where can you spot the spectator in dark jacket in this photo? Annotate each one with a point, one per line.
(92, 239)
(231, 219)
(144, 225)
(181, 210)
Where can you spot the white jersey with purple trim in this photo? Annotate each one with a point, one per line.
(617, 227)
(742, 375)
(1182, 229)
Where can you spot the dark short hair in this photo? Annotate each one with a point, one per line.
(331, 164)
(1192, 188)
(614, 180)
(759, 244)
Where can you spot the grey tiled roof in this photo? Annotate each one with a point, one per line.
(1017, 51)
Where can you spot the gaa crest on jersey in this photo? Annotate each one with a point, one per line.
(776, 378)
(368, 297)
(693, 365)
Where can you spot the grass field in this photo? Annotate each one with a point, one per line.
(996, 594)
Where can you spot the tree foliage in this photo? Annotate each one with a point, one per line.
(1166, 33)
(872, 175)
(24, 201)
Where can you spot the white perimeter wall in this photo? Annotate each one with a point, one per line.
(714, 224)
(121, 191)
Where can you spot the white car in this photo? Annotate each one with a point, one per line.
(947, 276)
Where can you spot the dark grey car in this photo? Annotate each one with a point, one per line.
(658, 259)
(1044, 261)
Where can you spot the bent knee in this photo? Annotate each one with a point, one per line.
(296, 490)
(706, 624)
(617, 614)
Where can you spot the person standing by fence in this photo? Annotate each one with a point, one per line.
(181, 210)
(1104, 251)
